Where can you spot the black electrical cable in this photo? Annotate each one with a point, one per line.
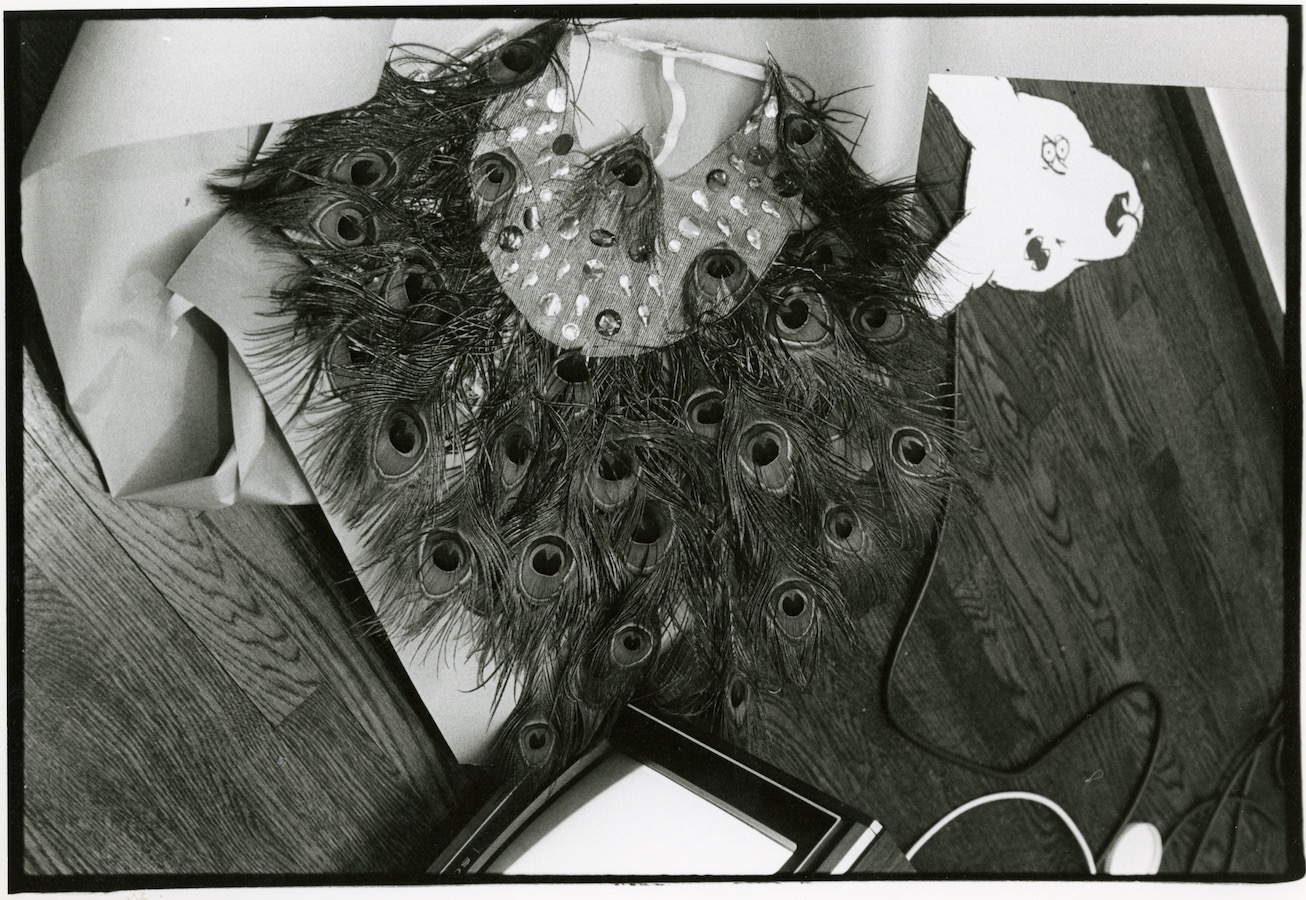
(1241, 767)
(993, 771)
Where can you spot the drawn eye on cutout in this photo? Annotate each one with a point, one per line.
(1055, 150)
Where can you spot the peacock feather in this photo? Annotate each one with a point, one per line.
(631, 437)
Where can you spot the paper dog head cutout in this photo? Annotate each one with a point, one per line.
(1041, 200)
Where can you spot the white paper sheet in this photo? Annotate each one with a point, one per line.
(114, 199)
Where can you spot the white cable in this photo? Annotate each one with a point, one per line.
(670, 48)
(1008, 795)
(678, 110)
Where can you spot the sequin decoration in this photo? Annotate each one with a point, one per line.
(637, 257)
(608, 322)
(510, 239)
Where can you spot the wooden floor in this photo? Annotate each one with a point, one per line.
(201, 693)
(1129, 527)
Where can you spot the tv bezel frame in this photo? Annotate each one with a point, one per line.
(826, 835)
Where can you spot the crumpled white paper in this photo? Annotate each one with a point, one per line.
(114, 199)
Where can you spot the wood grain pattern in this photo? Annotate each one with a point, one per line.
(207, 705)
(1127, 525)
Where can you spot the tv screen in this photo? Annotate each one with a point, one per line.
(624, 817)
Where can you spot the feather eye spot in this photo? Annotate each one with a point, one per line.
(401, 444)
(804, 139)
(737, 693)
(346, 361)
(793, 609)
(649, 539)
(915, 453)
(612, 477)
(710, 413)
(445, 566)
(547, 561)
(705, 411)
(343, 224)
(403, 435)
(367, 169)
(718, 279)
(517, 447)
(765, 453)
(649, 528)
(545, 567)
(795, 313)
(878, 323)
(843, 529)
(518, 56)
(765, 450)
(493, 176)
(799, 131)
(801, 320)
(631, 646)
(571, 368)
(535, 742)
(825, 249)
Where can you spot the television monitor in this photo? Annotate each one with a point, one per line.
(655, 800)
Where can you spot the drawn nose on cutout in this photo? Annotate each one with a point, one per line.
(1037, 254)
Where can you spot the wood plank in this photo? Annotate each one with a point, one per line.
(139, 753)
(333, 621)
(382, 823)
(225, 604)
(259, 588)
(167, 765)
